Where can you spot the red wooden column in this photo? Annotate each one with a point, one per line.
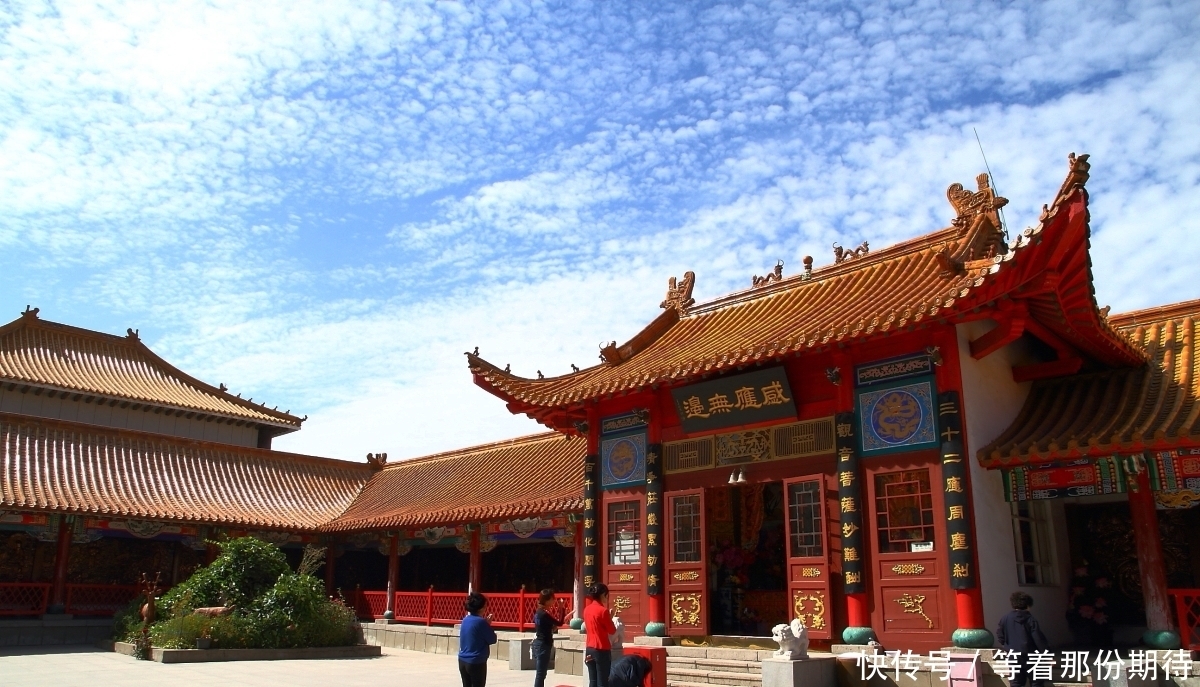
(1160, 632)
(476, 569)
(577, 599)
(968, 603)
(330, 555)
(393, 576)
(655, 611)
(858, 604)
(62, 556)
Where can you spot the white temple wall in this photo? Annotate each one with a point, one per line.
(991, 401)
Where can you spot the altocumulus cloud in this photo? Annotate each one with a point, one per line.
(324, 204)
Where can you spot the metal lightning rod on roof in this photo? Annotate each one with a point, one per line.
(992, 179)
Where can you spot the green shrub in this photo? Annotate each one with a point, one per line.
(245, 569)
(273, 607)
(127, 622)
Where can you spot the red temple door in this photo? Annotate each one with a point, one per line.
(913, 606)
(687, 563)
(808, 554)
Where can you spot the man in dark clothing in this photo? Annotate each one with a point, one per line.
(629, 671)
(1018, 631)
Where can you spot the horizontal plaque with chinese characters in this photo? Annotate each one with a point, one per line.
(759, 396)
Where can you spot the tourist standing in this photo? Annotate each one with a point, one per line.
(1018, 631)
(475, 638)
(599, 625)
(547, 618)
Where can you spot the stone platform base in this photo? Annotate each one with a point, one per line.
(54, 630)
(812, 672)
(219, 655)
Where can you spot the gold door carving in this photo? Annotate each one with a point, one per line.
(914, 604)
(686, 576)
(908, 568)
(685, 609)
(809, 607)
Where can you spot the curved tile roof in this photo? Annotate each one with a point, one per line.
(534, 475)
(73, 468)
(1154, 406)
(871, 295)
(58, 356)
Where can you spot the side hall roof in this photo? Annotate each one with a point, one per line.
(66, 467)
(533, 475)
(1043, 277)
(35, 352)
(1150, 407)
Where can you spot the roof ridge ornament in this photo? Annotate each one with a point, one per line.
(774, 275)
(31, 313)
(679, 296)
(133, 334)
(968, 204)
(841, 255)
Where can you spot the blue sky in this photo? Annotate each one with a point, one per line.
(324, 204)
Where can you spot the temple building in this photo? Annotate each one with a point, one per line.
(114, 463)
(888, 446)
(885, 447)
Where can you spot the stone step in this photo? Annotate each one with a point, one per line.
(679, 662)
(714, 677)
(716, 653)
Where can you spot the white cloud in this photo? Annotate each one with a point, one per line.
(324, 204)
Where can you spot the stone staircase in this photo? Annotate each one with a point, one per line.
(706, 666)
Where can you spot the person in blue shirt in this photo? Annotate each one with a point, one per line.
(475, 638)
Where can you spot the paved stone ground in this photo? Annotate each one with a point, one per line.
(82, 666)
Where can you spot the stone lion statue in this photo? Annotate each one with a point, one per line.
(792, 640)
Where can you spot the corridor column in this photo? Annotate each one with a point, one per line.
(475, 573)
(393, 576)
(58, 592)
(1160, 632)
(330, 554)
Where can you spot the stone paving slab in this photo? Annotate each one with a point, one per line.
(82, 666)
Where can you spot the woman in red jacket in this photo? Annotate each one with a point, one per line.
(599, 625)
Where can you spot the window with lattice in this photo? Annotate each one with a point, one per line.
(624, 533)
(1031, 535)
(685, 529)
(904, 511)
(804, 515)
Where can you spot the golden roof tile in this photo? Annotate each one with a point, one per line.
(50, 465)
(933, 277)
(1150, 407)
(34, 352)
(534, 475)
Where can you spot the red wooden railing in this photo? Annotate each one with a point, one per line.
(1187, 616)
(514, 611)
(24, 598)
(99, 599)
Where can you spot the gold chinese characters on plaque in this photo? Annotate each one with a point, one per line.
(908, 569)
(686, 576)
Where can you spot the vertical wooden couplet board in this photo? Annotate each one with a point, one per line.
(686, 568)
(808, 554)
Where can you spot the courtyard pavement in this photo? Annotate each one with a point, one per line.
(82, 666)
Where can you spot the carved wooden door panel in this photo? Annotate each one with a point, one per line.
(623, 551)
(913, 606)
(686, 567)
(808, 554)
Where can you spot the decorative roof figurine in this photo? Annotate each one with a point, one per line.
(679, 296)
(968, 204)
(775, 275)
(841, 255)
